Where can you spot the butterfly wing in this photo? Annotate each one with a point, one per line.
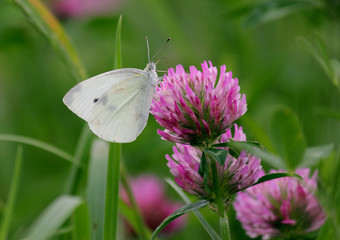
(121, 113)
(83, 97)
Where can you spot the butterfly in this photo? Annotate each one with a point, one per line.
(115, 104)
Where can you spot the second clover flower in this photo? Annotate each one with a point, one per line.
(234, 175)
(195, 108)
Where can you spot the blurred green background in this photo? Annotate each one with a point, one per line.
(256, 40)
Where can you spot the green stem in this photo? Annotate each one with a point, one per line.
(217, 188)
(142, 230)
(112, 190)
(224, 226)
(221, 206)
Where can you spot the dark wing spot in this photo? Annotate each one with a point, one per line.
(95, 100)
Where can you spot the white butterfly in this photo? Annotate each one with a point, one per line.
(115, 104)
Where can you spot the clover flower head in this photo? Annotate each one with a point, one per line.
(282, 208)
(235, 174)
(195, 108)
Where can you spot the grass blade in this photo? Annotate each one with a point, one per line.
(72, 183)
(81, 223)
(210, 230)
(113, 165)
(39, 144)
(96, 187)
(118, 47)
(112, 191)
(53, 217)
(7, 216)
(52, 30)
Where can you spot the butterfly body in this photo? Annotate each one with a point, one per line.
(115, 104)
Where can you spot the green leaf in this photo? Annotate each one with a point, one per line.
(179, 212)
(203, 165)
(39, 144)
(272, 176)
(257, 130)
(272, 10)
(219, 155)
(53, 217)
(7, 216)
(81, 223)
(96, 187)
(253, 148)
(314, 154)
(52, 30)
(210, 230)
(288, 138)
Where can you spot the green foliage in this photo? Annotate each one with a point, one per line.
(39, 144)
(96, 187)
(272, 67)
(179, 212)
(235, 148)
(113, 166)
(272, 176)
(81, 223)
(210, 230)
(53, 217)
(219, 155)
(268, 11)
(288, 138)
(319, 51)
(48, 25)
(8, 213)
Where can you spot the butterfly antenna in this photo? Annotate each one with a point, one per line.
(147, 45)
(161, 48)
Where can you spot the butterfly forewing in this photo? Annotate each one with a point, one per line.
(121, 113)
(83, 97)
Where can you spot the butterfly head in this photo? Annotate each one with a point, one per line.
(150, 67)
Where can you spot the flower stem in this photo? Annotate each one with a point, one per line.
(221, 206)
(224, 226)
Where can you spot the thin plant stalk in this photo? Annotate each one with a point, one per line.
(113, 165)
(7, 216)
(224, 223)
(112, 190)
(74, 177)
(224, 226)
